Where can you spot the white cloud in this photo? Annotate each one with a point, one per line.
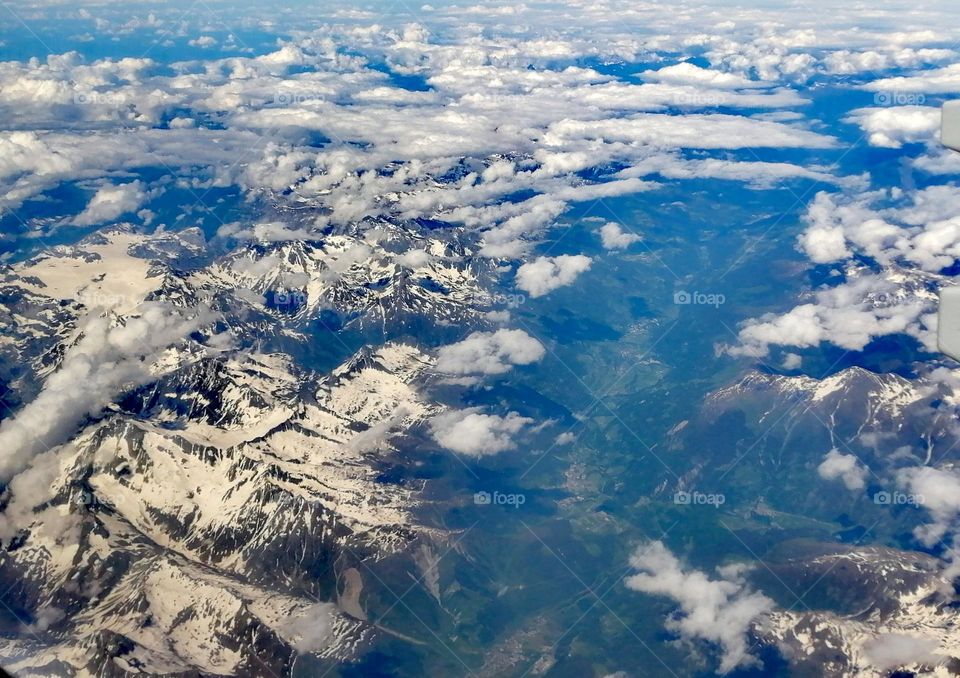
(687, 73)
(911, 240)
(204, 41)
(940, 490)
(613, 236)
(792, 361)
(255, 268)
(944, 80)
(896, 125)
(845, 467)
(849, 315)
(847, 62)
(375, 437)
(756, 174)
(414, 258)
(112, 201)
(474, 434)
(922, 231)
(938, 161)
(308, 629)
(273, 231)
(720, 611)
(489, 353)
(64, 87)
(545, 274)
(687, 131)
(895, 650)
(825, 244)
(33, 162)
(105, 361)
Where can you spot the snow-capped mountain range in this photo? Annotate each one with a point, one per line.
(217, 503)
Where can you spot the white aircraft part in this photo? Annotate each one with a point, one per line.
(948, 328)
(950, 125)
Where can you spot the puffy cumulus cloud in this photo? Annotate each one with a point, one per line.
(944, 80)
(889, 651)
(545, 274)
(427, 135)
(33, 162)
(489, 353)
(413, 258)
(845, 467)
(345, 259)
(26, 152)
(816, 44)
(937, 491)
(771, 59)
(938, 161)
(44, 619)
(792, 361)
(825, 244)
(830, 220)
(106, 360)
(689, 96)
(940, 490)
(847, 62)
(756, 174)
(64, 87)
(204, 41)
(897, 125)
(29, 164)
(921, 231)
(472, 433)
(689, 131)
(278, 167)
(112, 201)
(850, 316)
(249, 267)
(65, 90)
(308, 629)
(519, 221)
(539, 121)
(272, 231)
(686, 73)
(467, 79)
(911, 240)
(720, 611)
(613, 237)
